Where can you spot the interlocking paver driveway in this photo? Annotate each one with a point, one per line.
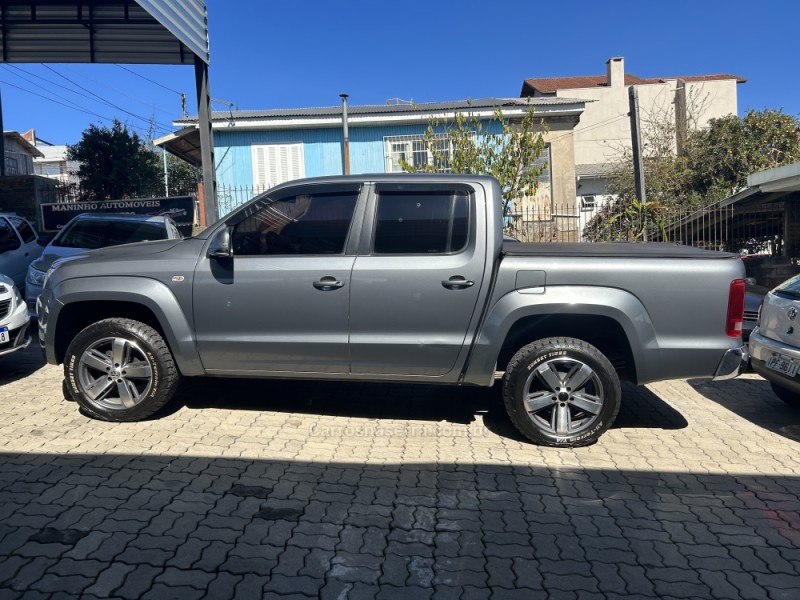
(320, 490)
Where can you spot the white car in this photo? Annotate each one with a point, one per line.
(775, 342)
(14, 318)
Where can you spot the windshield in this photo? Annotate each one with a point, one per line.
(99, 234)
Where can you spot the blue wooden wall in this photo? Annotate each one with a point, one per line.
(322, 149)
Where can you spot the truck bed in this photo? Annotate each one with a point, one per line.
(613, 250)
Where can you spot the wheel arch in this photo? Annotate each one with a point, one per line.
(86, 301)
(612, 320)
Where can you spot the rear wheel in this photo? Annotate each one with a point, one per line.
(791, 398)
(561, 392)
(120, 370)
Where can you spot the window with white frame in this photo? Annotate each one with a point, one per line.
(412, 150)
(588, 202)
(277, 163)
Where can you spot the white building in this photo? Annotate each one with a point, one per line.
(604, 131)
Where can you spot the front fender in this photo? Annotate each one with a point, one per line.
(152, 294)
(619, 305)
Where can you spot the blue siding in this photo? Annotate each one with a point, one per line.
(322, 149)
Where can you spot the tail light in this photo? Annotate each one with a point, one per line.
(733, 323)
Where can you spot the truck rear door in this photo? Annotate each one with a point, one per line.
(417, 279)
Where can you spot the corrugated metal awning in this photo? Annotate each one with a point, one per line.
(184, 144)
(103, 31)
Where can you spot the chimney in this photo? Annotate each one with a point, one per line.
(615, 67)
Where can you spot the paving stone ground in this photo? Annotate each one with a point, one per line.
(328, 490)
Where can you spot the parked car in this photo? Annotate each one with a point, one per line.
(14, 318)
(775, 342)
(401, 278)
(90, 231)
(19, 246)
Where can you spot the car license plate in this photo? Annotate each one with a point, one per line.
(3, 335)
(783, 364)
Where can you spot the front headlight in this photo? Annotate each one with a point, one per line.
(35, 277)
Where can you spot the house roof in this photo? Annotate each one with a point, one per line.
(594, 170)
(29, 148)
(549, 85)
(377, 110)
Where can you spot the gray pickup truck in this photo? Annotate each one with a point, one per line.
(401, 278)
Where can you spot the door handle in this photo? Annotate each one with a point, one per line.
(328, 283)
(457, 282)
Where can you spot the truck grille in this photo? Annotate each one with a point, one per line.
(5, 306)
(751, 315)
(3, 289)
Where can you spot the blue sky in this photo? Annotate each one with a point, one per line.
(305, 53)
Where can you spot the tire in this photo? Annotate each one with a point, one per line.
(120, 370)
(545, 372)
(791, 398)
(66, 391)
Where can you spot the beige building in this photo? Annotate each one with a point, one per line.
(603, 135)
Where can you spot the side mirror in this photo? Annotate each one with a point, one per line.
(220, 246)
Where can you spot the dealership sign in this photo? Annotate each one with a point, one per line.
(179, 208)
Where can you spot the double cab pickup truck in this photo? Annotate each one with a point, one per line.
(396, 278)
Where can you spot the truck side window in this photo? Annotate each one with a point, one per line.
(8, 237)
(24, 229)
(431, 222)
(301, 224)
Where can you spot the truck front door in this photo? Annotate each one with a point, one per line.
(281, 303)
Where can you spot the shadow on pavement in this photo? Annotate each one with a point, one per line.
(640, 407)
(19, 365)
(172, 526)
(752, 398)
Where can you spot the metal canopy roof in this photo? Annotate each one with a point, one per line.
(103, 31)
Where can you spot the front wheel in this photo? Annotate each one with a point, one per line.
(120, 370)
(561, 392)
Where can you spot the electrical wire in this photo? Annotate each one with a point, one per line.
(76, 107)
(150, 80)
(147, 120)
(166, 111)
(23, 75)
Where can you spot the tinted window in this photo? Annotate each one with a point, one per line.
(8, 237)
(92, 234)
(24, 229)
(301, 224)
(422, 223)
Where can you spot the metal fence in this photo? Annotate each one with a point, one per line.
(750, 229)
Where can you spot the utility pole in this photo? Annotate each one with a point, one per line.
(636, 143)
(346, 144)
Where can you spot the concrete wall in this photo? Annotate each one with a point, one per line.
(604, 131)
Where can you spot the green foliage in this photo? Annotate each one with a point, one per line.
(182, 178)
(714, 164)
(509, 156)
(115, 163)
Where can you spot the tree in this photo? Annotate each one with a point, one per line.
(182, 178)
(115, 163)
(509, 156)
(714, 163)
